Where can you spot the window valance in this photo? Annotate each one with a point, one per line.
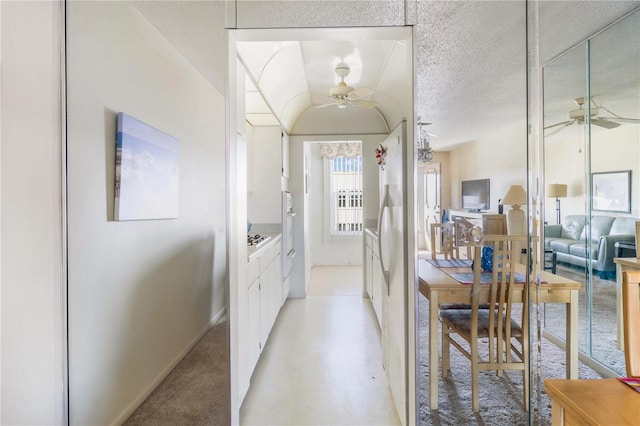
(342, 149)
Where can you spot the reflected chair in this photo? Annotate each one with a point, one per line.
(507, 334)
(631, 320)
(494, 224)
(447, 247)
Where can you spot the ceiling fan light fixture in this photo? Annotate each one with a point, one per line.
(341, 90)
(425, 152)
(344, 95)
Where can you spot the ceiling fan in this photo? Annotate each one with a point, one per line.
(577, 116)
(343, 95)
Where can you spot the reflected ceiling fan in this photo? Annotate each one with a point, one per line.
(343, 95)
(578, 116)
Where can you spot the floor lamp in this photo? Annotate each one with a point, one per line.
(557, 191)
(515, 197)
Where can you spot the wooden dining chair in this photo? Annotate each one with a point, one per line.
(631, 320)
(506, 328)
(444, 231)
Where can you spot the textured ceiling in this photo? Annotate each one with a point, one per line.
(470, 55)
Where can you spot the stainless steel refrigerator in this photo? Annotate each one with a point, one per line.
(397, 261)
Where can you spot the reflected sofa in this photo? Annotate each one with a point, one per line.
(569, 240)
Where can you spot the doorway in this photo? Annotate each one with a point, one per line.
(268, 60)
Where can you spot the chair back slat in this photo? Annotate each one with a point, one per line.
(506, 254)
(631, 320)
(508, 340)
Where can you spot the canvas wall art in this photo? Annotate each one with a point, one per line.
(611, 191)
(147, 171)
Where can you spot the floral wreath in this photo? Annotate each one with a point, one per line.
(380, 154)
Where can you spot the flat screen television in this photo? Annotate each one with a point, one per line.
(475, 195)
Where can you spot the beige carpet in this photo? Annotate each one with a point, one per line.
(196, 392)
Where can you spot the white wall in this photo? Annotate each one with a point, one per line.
(500, 156)
(32, 339)
(141, 293)
(611, 150)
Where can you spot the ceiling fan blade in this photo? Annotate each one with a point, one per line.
(622, 119)
(557, 128)
(360, 92)
(563, 123)
(326, 105)
(364, 104)
(603, 122)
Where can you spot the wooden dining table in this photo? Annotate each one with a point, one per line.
(440, 287)
(599, 402)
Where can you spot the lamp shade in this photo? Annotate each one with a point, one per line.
(556, 190)
(516, 195)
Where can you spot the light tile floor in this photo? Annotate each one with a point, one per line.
(322, 364)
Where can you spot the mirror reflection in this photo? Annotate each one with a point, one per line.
(591, 151)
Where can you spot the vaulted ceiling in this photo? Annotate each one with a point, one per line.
(470, 56)
(295, 77)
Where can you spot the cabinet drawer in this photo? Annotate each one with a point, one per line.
(277, 245)
(254, 271)
(266, 258)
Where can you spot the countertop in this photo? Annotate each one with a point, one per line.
(371, 230)
(252, 252)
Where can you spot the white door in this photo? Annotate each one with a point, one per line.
(397, 262)
(432, 202)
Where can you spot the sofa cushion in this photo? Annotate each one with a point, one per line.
(600, 225)
(562, 244)
(623, 225)
(572, 226)
(580, 250)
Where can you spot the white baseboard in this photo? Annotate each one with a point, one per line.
(124, 415)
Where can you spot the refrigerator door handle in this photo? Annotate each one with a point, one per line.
(383, 206)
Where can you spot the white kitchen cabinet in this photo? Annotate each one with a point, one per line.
(264, 160)
(265, 309)
(264, 297)
(377, 285)
(368, 256)
(374, 278)
(255, 345)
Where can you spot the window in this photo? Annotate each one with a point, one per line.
(344, 190)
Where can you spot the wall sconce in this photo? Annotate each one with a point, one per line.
(425, 152)
(515, 197)
(557, 191)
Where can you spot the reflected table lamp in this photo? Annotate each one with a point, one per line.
(557, 191)
(515, 197)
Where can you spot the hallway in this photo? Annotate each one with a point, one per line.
(323, 361)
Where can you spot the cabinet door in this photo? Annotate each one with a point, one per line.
(255, 345)
(369, 270)
(278, 284)
(265, 298)
(274, 294)
(377, 285)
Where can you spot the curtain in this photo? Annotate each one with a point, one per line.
(343, 149)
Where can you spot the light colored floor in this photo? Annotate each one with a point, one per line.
(322, 364)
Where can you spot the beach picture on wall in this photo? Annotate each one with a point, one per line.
(147, 172)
